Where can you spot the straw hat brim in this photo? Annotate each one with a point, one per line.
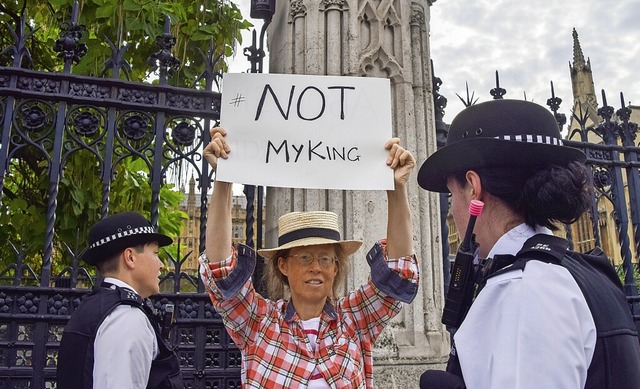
(348, 246)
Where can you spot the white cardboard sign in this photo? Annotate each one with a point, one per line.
(300, 131)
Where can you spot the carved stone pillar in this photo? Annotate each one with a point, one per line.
(377, 38)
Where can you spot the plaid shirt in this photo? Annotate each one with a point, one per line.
(276, 352)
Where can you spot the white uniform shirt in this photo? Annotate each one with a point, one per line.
(124, 347)
(527, 329)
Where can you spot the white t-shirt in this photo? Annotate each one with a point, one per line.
(124, 347)
(311, 327)
(527, 329)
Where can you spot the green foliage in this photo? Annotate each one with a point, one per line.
(621, 274)
(136, 23)
(23, 207)
(197, 26)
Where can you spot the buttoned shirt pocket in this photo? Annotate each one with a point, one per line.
(345, 360)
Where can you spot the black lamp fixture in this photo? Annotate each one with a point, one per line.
(260, 9)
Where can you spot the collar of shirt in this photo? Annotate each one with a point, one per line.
(512, 241)
(119, 283)
(327, 310)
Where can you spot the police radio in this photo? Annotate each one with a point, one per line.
(462, 284)
(167, 320)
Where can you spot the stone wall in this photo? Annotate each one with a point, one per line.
(373, 38)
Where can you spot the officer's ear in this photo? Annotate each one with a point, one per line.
(128, 257)
(474, 184)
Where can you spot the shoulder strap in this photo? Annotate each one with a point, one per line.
(543, 247)
(127, 296)
(118, 296)
(540, 247)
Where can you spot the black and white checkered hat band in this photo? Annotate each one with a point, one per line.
(122, 234)
(548, 140)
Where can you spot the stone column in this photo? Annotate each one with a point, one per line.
(376, 38)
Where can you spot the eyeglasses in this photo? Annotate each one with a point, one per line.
(306, 259)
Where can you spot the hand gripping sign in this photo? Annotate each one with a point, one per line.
(315, 132)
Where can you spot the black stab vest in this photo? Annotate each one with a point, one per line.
(616, 358)
(75, 356)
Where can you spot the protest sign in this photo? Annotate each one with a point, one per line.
(315, 132)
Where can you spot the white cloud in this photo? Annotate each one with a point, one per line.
(530, 44)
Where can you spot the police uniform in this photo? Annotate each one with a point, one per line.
(551, 319)
(112, 340)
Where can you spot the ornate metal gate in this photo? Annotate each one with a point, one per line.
(58, 114)
(613, 156)
(55, 115)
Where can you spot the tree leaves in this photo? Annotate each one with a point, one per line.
(195, 24)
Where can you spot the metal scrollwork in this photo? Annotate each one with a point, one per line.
(135, 127)
(28, 303)
(137, 96)
(89, 90)
(67, 43)
(58, 305)
(163, 59)
(185, 101)
(212, 359)
(38, 85)
(33, 118)
(189, 309)
(184, 133)
(86, 123)
(5, 303)
(603, 179)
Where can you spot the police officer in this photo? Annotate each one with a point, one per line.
(112, 339)
(545, 317)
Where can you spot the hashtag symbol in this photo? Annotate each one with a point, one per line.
(237, 100)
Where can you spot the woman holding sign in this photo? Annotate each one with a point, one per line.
(311, 339)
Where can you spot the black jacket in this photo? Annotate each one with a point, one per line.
(616, 359)
(75, 356)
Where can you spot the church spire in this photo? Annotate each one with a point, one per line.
(578, 57)
(584, 95)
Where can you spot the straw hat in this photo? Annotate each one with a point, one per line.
(298, 229)
(117, 232)
(497, 133)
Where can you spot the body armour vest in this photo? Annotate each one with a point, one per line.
(616, 359)
(75, 356)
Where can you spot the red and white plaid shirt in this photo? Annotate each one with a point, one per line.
(275, 349)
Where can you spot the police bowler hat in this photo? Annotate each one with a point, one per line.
(497, 133)
(117, 232)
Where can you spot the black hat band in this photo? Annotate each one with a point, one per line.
(308, 233)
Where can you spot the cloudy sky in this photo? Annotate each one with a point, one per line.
(530, 44)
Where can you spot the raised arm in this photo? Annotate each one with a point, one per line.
(218, 244)
(399, 224)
